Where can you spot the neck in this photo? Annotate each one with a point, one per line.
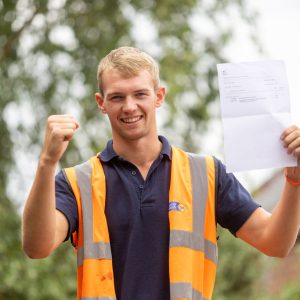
(141, 152)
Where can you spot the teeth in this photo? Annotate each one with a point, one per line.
(131, 120)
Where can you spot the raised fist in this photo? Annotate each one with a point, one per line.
(59, 131)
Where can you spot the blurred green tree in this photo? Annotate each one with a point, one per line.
(239, 271)
(49, 51)
(22, 278)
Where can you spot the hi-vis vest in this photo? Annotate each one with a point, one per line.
(193, 243)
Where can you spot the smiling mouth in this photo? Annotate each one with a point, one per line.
(131, 120)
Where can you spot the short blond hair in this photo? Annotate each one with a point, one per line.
(129, 61)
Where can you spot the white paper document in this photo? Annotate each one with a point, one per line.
(255, 107)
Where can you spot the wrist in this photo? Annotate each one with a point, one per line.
(46, 161)
(291, 178)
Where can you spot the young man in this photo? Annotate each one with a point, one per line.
(142, 213)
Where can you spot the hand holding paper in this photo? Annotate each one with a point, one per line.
(255, 111)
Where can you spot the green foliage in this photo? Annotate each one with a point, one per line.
(22, 278)
(290, 292)
(49, 51)
(241, 273)
(240, 267)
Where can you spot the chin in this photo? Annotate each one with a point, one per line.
(133, 136)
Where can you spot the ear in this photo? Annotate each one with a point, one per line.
(100, 101)
(160, 96)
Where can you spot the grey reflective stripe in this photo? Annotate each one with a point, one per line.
(98, 298)
(185, 291)
(216, 185)
(200, 190)
(211, 251)
(84, 181)
(181, 238)
(193, 240)
(90, 249)
(98, 250)
(200, 193)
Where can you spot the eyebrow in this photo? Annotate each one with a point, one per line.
(120, 93)
(114, 94)
(142, 90)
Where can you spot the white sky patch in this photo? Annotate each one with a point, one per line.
(278, 31)
(16, 114)
(56, 4)
(63, 35)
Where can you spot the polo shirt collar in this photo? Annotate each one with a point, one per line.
(108, 153)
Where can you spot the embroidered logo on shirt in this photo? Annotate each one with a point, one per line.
(176, 206)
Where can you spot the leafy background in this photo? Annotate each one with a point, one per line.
(49, 51)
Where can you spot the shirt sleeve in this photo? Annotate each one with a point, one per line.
(234, 205)
(66, 202)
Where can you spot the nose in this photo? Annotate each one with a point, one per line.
(129, 105)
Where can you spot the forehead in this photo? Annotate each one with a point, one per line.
(113, 81)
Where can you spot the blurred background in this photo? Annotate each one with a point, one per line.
(49, 52)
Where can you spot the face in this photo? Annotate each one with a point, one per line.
(130, 104)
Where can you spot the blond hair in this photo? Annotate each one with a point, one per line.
(128, 61)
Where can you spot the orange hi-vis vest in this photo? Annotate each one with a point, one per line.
(193, 242)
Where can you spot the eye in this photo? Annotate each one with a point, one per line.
(116, 98)
(141, 94)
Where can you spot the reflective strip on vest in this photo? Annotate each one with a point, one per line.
(91, 250)
(185, 291)
(195, 169)
(180, 238)
(98, 298)
(194, 240)
(200, 189)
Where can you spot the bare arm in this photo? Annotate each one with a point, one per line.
(44, 227)
(275, 234)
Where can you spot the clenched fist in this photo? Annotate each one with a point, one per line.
(291, 141)
(59, 131)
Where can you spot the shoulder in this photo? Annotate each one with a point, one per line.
(234, 203)
(61, 181)
(88, 164)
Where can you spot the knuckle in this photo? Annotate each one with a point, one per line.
(56, 131)
(50, 118)
(296, 152)
(51, 125)
(287, 141)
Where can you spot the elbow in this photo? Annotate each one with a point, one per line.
(36, 248)
(279, 248)
(284, 253)
(279, 252)
(35, 253)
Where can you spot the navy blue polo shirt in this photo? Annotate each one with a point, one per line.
(137, 217)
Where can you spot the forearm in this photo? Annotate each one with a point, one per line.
(39, 220)
(283, 226)
(44, 228)
(275, 234)
(284, 222)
